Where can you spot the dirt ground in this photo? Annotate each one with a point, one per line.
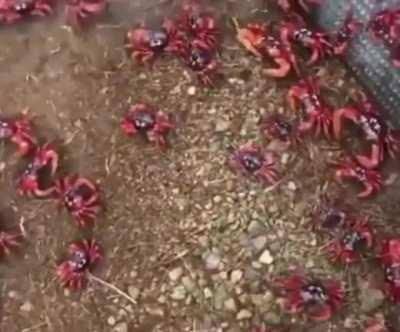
(181, 233)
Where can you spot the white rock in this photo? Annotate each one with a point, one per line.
(27, 307)
(244, 314)
(207, 293)
(292, 186)
(212, 261)
(175, 274)
(230, 305)
(191, 90)
(285, 158)
(259, 242)
(266, 258)
(236, 276)
(133, 292)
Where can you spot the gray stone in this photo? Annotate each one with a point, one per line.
(259, 242)
(178, 293)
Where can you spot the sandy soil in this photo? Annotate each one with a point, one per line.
(181, 233)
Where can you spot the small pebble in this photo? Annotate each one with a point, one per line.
(207, 293)
(133, 292)
(111, 321)
(259, 242)
(230, 305)
(217, 199)
(191, 90)
(244, 314)
(27, 307)
(266, 258)
(178, 293)
(236, 276)
(292, 186)
(121, 327)
(175, 274)
(212, 261)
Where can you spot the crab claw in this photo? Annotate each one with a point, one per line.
(29, 183)
(370, 179)
(282, 71)
(339, 115)
(8, 242)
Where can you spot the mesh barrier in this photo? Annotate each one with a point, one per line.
(368, 59)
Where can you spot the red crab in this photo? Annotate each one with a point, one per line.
(395, 54)
(275, 127)
(357, 236)
(143, 118)
(255, 38)
(378, 324)
(80, 197)
(250, 160)
(392, 281)
(83, 256)
(45, 160)
(19, 133)
(369, 178)
(317, 299)
(390, 259)
(144, 44)
(383, 139)
(12, 11)
(385, 27)
(329, 215)
(345, 34)
(199, 24)
(295, 31)
(385, 24)
(201, 61)
(8, 242)
(78, 11)
(293, 5)
(318, 116)
(390, 251)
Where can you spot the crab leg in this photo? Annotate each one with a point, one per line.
(350, 113)
(281, 71)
